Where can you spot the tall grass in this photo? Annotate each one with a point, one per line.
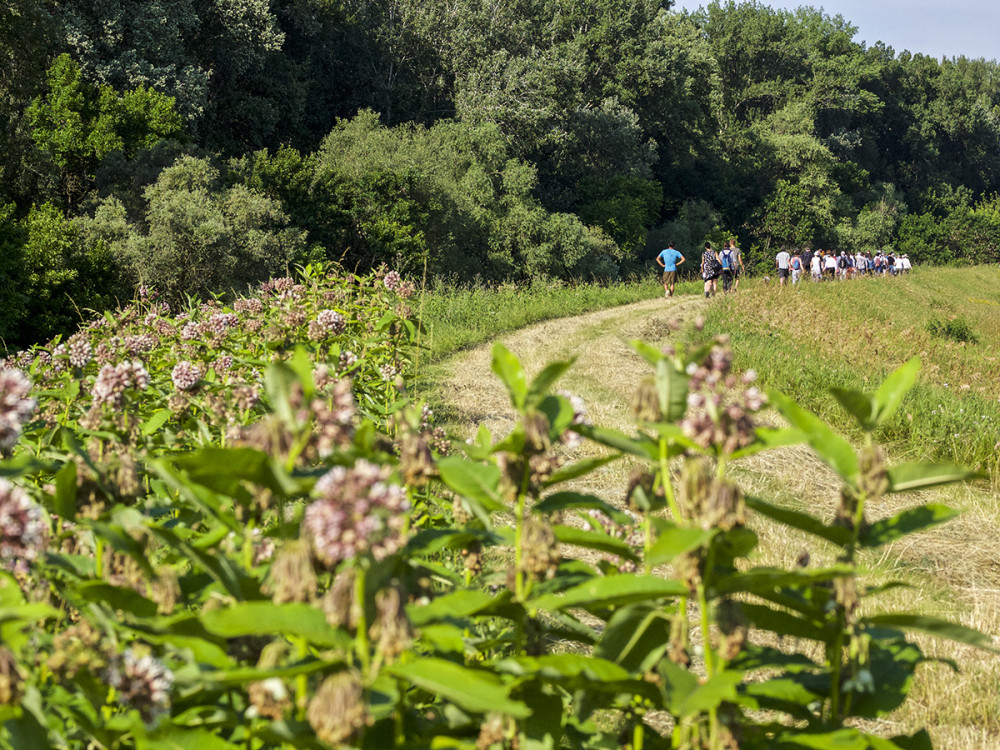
(458, 317)
(851, 334)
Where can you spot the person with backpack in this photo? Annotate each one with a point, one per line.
(796, 266)
(711, 269)
(729, 267)
(668, 260)
(739, 269)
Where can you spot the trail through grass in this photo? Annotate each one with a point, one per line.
(951, 571)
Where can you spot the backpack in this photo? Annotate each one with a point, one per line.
(796, 264)
(727, 260)
(842, 261)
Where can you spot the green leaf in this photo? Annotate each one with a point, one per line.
(933, 626)
(615, 590)
(175, 738)
(784, 623)
(919, 476)
(635, 637)
(221, 469)
(574, 500)
(478, 483)
(267, 618)
(802, 521)
(156, 420)
(543, 382)
(648, 352)
(564, 667)
(509, 370)
(594, 540)
(578, 469)
(278, 381)
(763, 581)
(766, 438)
(908, 521)
(858, 405)
(471, 689)
(672, 540)
(832, 449)
(65, 496)
(641, 445)
(117, 597)
(456, 605)
(671, 390)
(894, 388)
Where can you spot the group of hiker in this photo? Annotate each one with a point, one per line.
(829, 265)
(728, 265)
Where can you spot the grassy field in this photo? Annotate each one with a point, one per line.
(851, 334)
(457, 318)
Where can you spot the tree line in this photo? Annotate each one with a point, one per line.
(200, 145)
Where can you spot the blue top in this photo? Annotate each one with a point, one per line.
(670, 258)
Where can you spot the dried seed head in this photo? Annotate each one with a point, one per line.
(536, 433)
(845, 593)
(291, 577)
(416, 462)
(874, 473)
(165, 590)
(142, 682)
(391, 631)
(339, 603)
(11, 678)
(646, 402)
(695, 487)
(724, 509)
(733, 628)
(539, 549)
(337, 712)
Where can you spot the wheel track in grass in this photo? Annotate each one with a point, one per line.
(953, 567)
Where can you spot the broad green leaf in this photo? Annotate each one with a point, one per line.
(117, 598)
(456, 605)
(894, 388)
(474, 690)
(635, 637)
(564, 666)
(155, 421)
(766, 438)
(671, 390)
(175, 738)
(832, 449)
(802, 521)
(594, 540)
(224, 570)
(641, 445)
(574, 500)
(919, 476)
(221, 468)
(244, 675)
(840, 739)
(933, 626)
(268, 618)
(278, 381)
(906, 522)
(765, 580)
(648, 352)
(511, 373)
(673, 540)
(578, 469)
(858, 405)
(544, 381)
(785, 624)
(478, 483)
(614, 590)
(65, 495)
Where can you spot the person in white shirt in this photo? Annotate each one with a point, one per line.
(831, 265)
(817, 267)
(906, 264)
(783, 261)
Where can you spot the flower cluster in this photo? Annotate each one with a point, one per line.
(16, 406)
(23, 528)
(143, 683)
(185, 375)
(359, 511)
(112, 382)
(80, 350)
(721, 404)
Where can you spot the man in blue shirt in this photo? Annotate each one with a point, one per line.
(669, 259)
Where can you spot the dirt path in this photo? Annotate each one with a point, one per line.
(952, 569)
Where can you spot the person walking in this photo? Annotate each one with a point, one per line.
(783, 262)
(729, 269)
(669, 259)
(711, 269)
(796, 266)
(816, 266)
(830, 265)
(739, 269)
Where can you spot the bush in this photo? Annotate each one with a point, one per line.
(956, 329)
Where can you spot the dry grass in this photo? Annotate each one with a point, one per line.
(952, 571)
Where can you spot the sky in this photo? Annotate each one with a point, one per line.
(939, 28)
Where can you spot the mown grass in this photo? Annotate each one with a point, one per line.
(852, 334)
(456, 318)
